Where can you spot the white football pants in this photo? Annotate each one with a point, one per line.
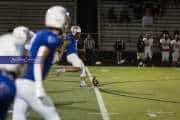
(26, 97)
(147, 53)
(77, 62)
(175, 56)
(165, 56)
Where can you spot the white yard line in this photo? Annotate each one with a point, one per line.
(100, 101)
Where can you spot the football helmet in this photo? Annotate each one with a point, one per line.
(56, 17)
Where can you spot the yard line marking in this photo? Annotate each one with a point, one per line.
(99, 98)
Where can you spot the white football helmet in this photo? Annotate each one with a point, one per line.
(56, 17)
(8, 48)
(75, 29)
(22, 33)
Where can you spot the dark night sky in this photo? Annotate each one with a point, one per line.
(87, 15)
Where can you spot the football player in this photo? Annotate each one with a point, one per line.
(148, 42)
(165, 47)
(175, 43)
(72, 55)
(140, 51)
(12, 46)
(30, 89)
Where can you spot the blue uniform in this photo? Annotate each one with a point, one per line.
(7, 94)
(72, 47)
(43, 38)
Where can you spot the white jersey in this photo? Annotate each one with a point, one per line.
(175, 45)
(148, 42)
(8, 48)
(165, 44)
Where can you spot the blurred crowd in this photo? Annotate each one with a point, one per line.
(168, 45)
(144, 10)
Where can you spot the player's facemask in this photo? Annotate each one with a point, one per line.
(77, 36)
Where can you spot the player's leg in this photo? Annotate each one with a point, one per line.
(83, 70)
(20, 105)
(77, 62)
(146, 55)
(44, 106)
(167, 57)
(118, 56)
(175, 56)
(150, 56)
(141, 59)
(162, 57)
(70, 59)
(19, 109)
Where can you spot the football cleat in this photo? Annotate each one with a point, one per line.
(95, 82)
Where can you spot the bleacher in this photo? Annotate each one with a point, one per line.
(110, 32)
(28, 12)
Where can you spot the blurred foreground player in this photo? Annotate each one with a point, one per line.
(30, 89)
(72, 55)
(12, 46)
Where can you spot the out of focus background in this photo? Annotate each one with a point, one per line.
(106, 21)
(140, 34)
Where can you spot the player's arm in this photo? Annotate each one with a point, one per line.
(62, 49)
(42, 54)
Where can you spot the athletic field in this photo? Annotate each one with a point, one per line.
(128, 93)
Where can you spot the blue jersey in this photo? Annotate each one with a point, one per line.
(72, 47)
(7, 94)
(7, 89)
(43, 38)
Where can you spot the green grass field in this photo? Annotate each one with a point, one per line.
(129, 93)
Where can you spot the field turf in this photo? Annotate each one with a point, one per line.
(129, 93)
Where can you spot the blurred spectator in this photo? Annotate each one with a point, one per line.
(175, 43)
(119, 47)
(156, 7)
(147, 19)
(148, 42)
(124, 16)
(165, 47)
(172, 3)
(112, 17)
(89, 46)
(162, 7)
(140, 51)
